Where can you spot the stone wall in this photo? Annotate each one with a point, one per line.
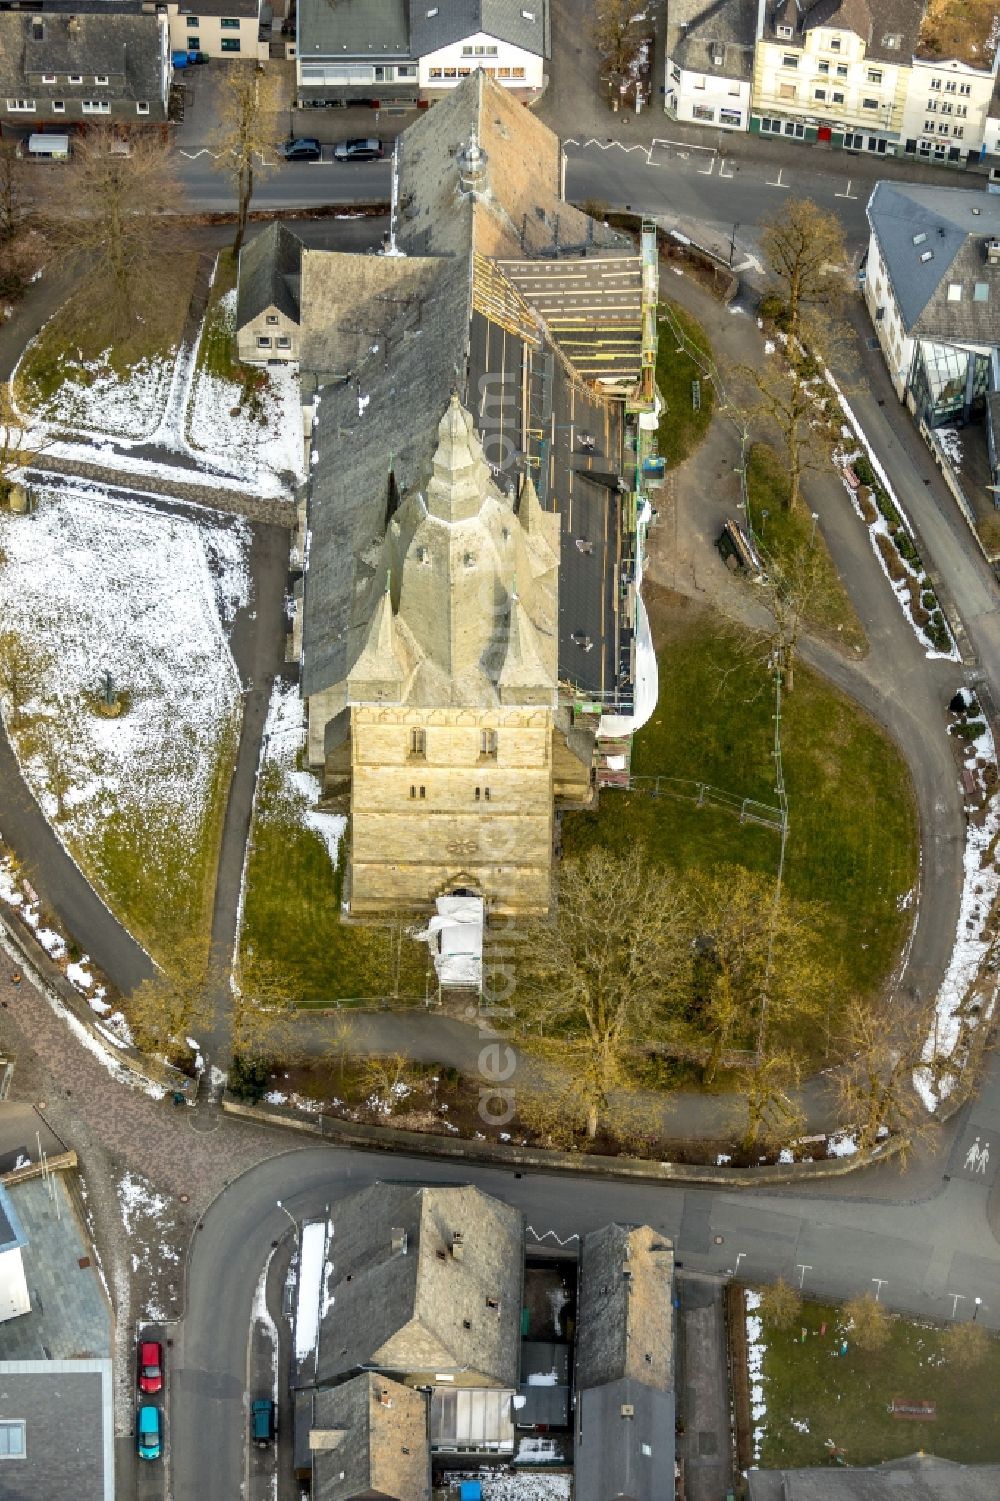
(269, 509)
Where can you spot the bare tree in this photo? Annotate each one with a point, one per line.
(21, 667)
(48, 743)
(114, 212)
(165, 1009)
(806, 255)
(616, 37)
(263, 1005)
(249, 133)
(13, 207)
(885, 1046)
(789, 398)
(868, 1320)
(966, 1344)
(773, 1115)
(780, 1305)
(386, 1083)
(602, 974)
(19, 445)
(789, 591)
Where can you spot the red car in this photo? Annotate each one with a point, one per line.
(150, 1367)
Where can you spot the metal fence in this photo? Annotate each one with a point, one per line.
(703, 795)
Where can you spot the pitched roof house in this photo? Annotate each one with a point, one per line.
(932, 286)
(709, 61)
(397, 50)
(267, 307)
(58, 69)
(366, 1438)
(920, 1477)
(624, 1366)
(426, 1286)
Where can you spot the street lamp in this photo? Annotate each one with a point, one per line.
(732, 245)
(979, 1304)
(764, 514)
(812, 534)
(295, 1227)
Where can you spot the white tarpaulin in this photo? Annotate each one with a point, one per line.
(455, 936)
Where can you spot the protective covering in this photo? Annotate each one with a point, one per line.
(455, 935)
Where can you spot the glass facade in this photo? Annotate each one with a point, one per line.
(948, 381)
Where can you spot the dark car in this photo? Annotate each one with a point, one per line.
(150, 1366)
(366, 149)
(263, 1421)
(305, 149)
(148, 1432)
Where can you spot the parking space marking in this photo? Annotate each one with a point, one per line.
(722, 168)
(848, 194)
(778, 183)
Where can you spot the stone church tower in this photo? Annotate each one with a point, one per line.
(453, 697)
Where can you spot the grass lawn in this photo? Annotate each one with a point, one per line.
(845, 1399)
(786, 532)
(681, 427)
(217, 350)
(292, 914)
(83, 330)
(852, 843)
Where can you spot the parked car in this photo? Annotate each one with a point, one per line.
(148, 1433)
(263, 1421)
(150, 1366)
(366, 149)
(305, 149)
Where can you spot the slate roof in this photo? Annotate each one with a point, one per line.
(624, 1316)
(928, 238)
(423, 1308)
(873, 22)
(68, 1412)
(921, 1477)
(696, 29)
(609, 1457)
(126, 48)
(269, 274)
(438, 23)
(365, 1437)
(353, 28)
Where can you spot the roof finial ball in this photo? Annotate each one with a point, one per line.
(472, 161)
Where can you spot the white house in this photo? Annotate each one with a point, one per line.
(932, 287)
(219, 28)
(405, 51)
(709, 61)
(14, 1298)
(947, 111)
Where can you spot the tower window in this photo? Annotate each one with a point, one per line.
(418, 743)
(488, 744)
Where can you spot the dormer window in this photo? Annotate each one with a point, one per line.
(37, 30)
(76, 78)
(101, 78)
(528, 15)
(893, 41)
(48, 78)
(785, 32)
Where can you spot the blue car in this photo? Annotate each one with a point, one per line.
(149, 1439)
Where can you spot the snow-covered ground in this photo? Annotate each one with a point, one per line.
(311, 1295)
(244, 445)
(508, 1485)
(980, 889)
(756, 1350)
(153, 1238)
(93, 398)
(92, 585)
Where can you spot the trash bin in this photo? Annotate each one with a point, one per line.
(470, 1490)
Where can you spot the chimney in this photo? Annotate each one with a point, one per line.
(993, 252)
(628, 1410)
(457, 1246)
(399, 1240)
(73, 25)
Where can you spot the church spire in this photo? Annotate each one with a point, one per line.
(461, 476)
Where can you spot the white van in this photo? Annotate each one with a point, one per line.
(48, 148)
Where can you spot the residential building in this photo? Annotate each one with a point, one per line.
(709, 61)
(920, 1477)
(57, 1430)
(425, 1288)
(932, 287)
(399, 51)
(71, 70)
(220, 28)
(365, 1438)
(835, 71)
(267, 305)
(625, 1415)
(951, 85)
(471, 611)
